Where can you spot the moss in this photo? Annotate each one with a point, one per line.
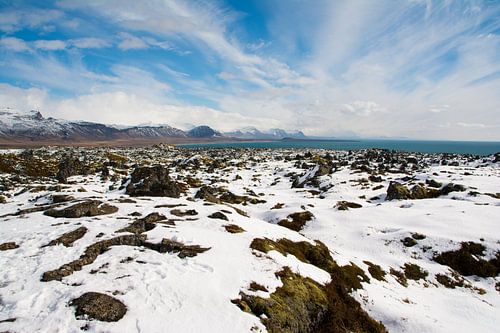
(254, 286)
(414, 272)
(375, 271)
(467, 260)
(400, 277)
(317, 255)
(448, 282)
(296, 221)
(353, 276)
(303, 305)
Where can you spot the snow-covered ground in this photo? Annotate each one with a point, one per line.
(166, 293)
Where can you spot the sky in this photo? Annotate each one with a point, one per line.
(417, 69)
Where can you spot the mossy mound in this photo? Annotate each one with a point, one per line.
(414, 272)
(296, 221)
(375, 271)
(467, 260)
(303, 305)
(317, 255)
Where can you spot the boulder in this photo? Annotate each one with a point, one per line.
(450, 187)
(98, 306)
(81, 209)
(8, 246)
(152, 181)
(397, 191)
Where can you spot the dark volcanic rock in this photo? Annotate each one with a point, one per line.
(182, 213)
(69, 166)
(448, 188)
(218, 215)
(81, 209)
(58, 198)
(8, 246)
(182, 250)
(152, 181)
(90, 255)
(69, 238)
(99, 307)
(345, 205)
(397, 191)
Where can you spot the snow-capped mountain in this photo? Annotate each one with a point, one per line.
(33, 126)
(203, 132)
(271, 134)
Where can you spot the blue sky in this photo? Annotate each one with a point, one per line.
(388, 68)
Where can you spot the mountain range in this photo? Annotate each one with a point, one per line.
(32, 126)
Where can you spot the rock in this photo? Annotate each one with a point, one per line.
(142, 225)
(182, 250)
(397, 191)
(70, 166)
(420, 192)
(181, 213)
(207, 193)
(345, 205)
(99, 307)
(234, 229)
(218, 215)
(450, 187)
(152, 181)
(433, 183)
(58, 198)
(375, 179)
(81, 209)
(409, 241)
(69, 238)
(8, 246)
(90, 255)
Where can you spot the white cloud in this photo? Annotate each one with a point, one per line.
(50, 45)
(362, 108)
(14, 20)
(89, 43)
(131, 42)
(14, 44)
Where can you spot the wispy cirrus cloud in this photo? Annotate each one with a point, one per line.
(419, 69)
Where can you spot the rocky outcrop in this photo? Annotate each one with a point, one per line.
(397, 191)
(81, 209)
(69, 238)
(152, 181)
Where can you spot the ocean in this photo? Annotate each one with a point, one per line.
(458, 147)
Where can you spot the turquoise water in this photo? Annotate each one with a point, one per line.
(458, 147)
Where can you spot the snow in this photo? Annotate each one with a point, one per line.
(166, 293)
